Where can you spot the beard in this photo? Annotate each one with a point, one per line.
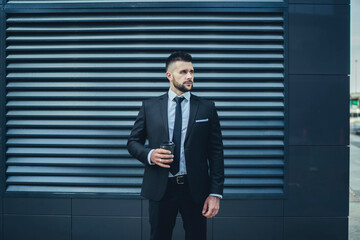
(181, 87)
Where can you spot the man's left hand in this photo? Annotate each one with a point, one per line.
(211, 206)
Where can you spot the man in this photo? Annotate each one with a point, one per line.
(182, 181)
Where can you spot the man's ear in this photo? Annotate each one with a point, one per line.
(169, 76)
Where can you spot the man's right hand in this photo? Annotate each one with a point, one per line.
(162, 157)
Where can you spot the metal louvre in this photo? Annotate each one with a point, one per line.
(75, 82)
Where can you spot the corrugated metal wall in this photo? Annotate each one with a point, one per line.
(75, 82)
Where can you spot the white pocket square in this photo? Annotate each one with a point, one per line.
(202, 120)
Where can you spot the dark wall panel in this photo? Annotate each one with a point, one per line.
(251, 208)
(319, 39)
(20, 227)
(37, 206)
(318, 183)
(318, 110)
(107, 207)
(316, 228)
(109, 228)
(249, 228)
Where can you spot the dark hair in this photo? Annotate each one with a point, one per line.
(178, 56)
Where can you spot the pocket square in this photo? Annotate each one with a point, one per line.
(202, 120)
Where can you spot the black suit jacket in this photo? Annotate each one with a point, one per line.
(203, 147)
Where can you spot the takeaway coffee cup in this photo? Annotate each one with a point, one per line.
(168, 146)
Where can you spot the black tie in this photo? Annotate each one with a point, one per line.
(174, 169)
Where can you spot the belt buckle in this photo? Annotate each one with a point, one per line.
(180, 179)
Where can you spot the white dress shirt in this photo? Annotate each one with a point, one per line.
(185, 109)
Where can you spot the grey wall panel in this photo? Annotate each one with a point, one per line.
(318, 110)
(178, 233)
(318, 183)
(37, 206)
(251, 207)
(319, 39)
(316, 228)
(106, 207)
(248, 228)
(18, 227)
(109, 228)
(320, 1)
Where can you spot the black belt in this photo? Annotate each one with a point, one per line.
(181, 179)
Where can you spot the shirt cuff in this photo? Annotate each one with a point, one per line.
(149, 156)
(216, 195)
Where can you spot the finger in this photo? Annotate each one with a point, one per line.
(166, 156)
(208, 214)
(211, 212)
(164, 160)
(160, 150)
(205, 208)
(163, 165)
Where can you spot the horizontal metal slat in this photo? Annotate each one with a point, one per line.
(167, 29)
(147, 47)
(71, 142)
(88, 114)
(78, 189)
(61, 151)
(242, 153)
(226, 134)
(261, 191)
(143, 56)
(143, 66)
(75, 181)
(253, 182)
(66, 142)
(225, 124)
(142, 85)
(73, 161)
(46, 104)
(73, 171)
(137, 95)
(254, 163)
(103, 133)
(252, 143)
(137, 76)
(138, 38)
(132, 3)
(142, 19)
(254, 172)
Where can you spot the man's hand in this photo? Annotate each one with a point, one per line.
(211, 206)
(162, 157)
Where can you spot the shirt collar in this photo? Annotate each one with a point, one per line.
(172, 95)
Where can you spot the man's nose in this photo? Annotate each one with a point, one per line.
(188, 76)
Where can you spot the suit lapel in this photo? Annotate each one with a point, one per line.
(194, 105)
(164, 112)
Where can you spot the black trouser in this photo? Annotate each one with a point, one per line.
(163, 213)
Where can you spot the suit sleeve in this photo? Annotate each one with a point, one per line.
(216, 155)
(136, 141)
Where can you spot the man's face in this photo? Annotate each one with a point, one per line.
(181, 76)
